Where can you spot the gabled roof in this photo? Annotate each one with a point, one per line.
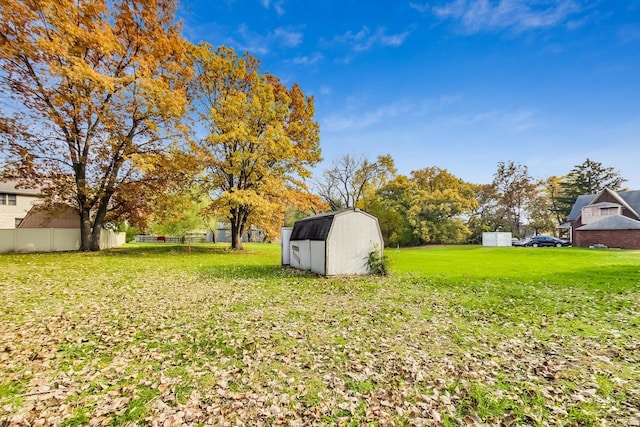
(614, 222)
(628, 199)
(62, 216)
(317, 227)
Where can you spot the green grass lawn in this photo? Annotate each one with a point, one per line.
(454, 336)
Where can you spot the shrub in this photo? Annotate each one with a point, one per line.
(377, 262)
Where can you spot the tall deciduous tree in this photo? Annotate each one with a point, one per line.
(98, 87)
(391, 204)
(350, 179)
(515, 189)
(439, 204)
(261, 140)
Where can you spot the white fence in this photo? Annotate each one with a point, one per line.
(52, 239)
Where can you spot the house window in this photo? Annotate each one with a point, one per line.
(7, 199)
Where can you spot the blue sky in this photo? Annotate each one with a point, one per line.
(458, 84)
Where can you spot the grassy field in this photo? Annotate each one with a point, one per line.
(455, 336)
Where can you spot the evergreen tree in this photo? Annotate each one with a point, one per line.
(589, 177)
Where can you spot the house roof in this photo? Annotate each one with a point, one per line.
(51, 217)
(10, 187)
(580, 203)
(614, 222)
(629, 199)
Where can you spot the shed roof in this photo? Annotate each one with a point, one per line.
(314, 227)
(317, 227)
(614, 222)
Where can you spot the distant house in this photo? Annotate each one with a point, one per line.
(15, 203)
(610, 218)
(61, 216)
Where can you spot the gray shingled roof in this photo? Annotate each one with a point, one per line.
(580, 203)
(615, 222)
(632, 198)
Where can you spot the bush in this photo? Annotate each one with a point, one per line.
(132, 232)
(378, 263)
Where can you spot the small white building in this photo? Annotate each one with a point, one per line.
(333, 243)
(496, 238)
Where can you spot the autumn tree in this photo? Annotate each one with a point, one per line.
(540, 211)
(351, 178)
(260, 141)
(97, 89)
(391, 204)
(515, 189)
(438, 206)
(484, 217)
(590, 177)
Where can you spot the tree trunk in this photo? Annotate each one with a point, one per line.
(236, 235)
(85, 231)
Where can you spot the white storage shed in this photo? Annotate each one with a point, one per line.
(334, 243)
(496, 238)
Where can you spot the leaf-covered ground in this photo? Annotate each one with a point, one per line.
(470, 336)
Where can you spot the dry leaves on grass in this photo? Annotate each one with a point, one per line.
(171, 349)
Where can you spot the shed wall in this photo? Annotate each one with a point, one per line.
(318, 256)
(351, 238)
(496, 238)
(300, 251)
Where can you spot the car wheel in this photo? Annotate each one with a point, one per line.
(535, 245)
(558, 245)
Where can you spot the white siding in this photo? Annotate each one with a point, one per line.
(318, 256)
(300, 251)
(52, 239)
(285, 237)
(9, 213)
(352, 237)
(496, 238)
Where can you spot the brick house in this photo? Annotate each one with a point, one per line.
(610, 218)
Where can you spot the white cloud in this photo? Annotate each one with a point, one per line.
(420, 7)
(517, 15)
(277, 5)
(350, 121)
(307, 60)
(365, 39)
(290, 38)
(259, 44)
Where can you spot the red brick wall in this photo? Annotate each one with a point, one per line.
(625, 239)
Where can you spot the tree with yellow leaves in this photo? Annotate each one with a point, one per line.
(98, 87)
(260, 142)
